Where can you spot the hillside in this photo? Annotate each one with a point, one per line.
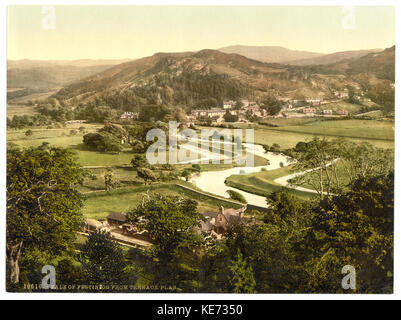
(373, 66)
(25, 77)
(207, 77)
(271, 54)
(46, 78)
(333, 57)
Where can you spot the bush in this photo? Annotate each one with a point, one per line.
(236, 196)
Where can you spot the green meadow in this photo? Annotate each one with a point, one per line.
(262, 183)
(98, 205)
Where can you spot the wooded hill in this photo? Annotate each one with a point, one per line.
(207, 77)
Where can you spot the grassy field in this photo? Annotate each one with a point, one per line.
(20, 110)
(61, 137)
(98, 205)
(290, 131)
(262, 183)
(34, 96)
(344, 105)
(359, 129)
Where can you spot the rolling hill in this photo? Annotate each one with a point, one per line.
(282, 55)
(271, 54)
(375, 65)
(333, 57)
(36, 76)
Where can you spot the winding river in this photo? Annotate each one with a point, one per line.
(214, 181)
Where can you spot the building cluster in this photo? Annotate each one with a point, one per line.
(129, 115)
(243, 110)
(75, 121)
(218, 223)
(116, 223)
(212, 223)
(328, 112)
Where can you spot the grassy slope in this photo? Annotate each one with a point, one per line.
(20, 110)
(98, 205)
(262, 183)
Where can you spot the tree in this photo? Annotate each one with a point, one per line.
(138, 146)
(103, 141)
(320, 157)
(139, 161)
(236, 196)
(229, 117)
(383, 95)
(238, 105)
(117, 131)
(196, 167)
(186, 174)
(286, 205)
(68, 273)
(43, 205)
(355, 228)
(241, 275)
(169, 220)
(29, 133)
(109, 181)
(146, 174)
(102, 260)
(268, 250)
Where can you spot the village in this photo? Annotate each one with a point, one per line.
(212, 223)
(245, 111)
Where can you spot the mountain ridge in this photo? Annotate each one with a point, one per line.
(272, 54)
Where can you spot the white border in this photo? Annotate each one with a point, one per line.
(140, 296)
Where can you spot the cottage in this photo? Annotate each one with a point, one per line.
(341, 94)
(343, 112)
(229, 104)
(314, 101)
(309, 110)
(75, 121)
(91, 225)
(220, 222)
(129, 115)
(116, 219)
(214, 112)
(328, 112)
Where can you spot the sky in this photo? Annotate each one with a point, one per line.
(130, 32)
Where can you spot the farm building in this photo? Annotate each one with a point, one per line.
(116, 219)
(91, 225)
(309, 110)
(219, 222)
